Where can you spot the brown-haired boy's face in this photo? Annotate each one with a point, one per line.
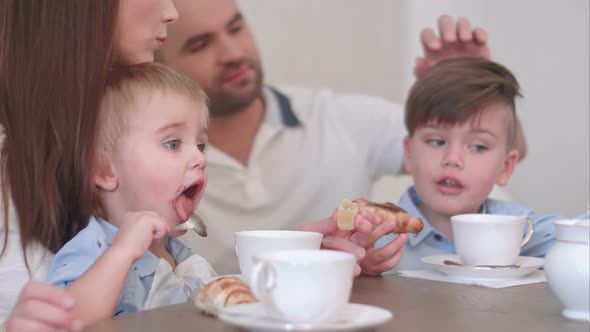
(456, 166)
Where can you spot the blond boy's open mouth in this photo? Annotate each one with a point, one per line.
(186, 201)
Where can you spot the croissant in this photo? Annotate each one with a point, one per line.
(223, 292)
(405, 223)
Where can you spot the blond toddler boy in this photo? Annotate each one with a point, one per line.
(150, 173)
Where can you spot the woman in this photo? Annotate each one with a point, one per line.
(54, 60)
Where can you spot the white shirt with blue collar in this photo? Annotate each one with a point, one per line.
(84, 249)
(313, 149)
(430, 242)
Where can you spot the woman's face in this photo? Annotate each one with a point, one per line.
(141, 29)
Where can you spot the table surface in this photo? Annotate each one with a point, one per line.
(417, 305)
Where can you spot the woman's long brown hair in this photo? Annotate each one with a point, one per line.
(54, 59)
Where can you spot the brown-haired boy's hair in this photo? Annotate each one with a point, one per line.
(126, 87)
(455, 90)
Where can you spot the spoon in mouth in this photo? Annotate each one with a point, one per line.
(195, 223)
(511, 266)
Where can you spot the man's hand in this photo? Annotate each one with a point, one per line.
(455, 39)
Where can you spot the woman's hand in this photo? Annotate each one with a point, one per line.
(42, 307)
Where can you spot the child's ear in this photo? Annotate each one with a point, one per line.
(104, 174)
(407, 152)
(508, 167)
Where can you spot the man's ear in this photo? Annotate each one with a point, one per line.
(508, 168)
(104, 174)
(407, 153)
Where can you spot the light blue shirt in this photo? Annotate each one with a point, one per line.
(429, 242)
(84, 249)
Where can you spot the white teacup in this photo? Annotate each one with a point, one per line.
(303, 286)
(490, 239)
(250, 243)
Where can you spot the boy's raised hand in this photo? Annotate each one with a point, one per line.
(455, 39)
(377, 261)
(42, 307)
(368, 229)
(380, 260)
(137, 231)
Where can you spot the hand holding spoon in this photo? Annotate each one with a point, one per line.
(195, 223)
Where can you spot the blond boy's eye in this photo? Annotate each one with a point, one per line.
(173, 144)
(202, 147)
(477, 147)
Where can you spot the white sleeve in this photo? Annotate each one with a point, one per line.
(377, 127)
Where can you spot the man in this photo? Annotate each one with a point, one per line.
(279, 158)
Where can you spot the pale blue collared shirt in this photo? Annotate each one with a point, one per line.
(84, 249)
(429, 242)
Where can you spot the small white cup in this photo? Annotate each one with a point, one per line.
(303, 286)
(490, 239)
(250, 243)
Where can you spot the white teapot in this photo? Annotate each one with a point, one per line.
(566, 268)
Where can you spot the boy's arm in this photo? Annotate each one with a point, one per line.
(97, 291)
(96, 280)
(92, 273)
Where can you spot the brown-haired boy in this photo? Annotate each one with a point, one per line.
(462, 127)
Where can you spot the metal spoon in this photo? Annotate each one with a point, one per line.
(511, 266)
(195, 223)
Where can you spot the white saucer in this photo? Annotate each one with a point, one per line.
(354, 316)
(527, 265)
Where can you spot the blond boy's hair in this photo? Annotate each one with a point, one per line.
(127, 85)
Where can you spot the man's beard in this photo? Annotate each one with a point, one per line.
(227, 103)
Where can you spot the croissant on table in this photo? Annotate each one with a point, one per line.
(223, 292)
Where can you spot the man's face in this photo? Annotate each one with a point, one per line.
(212, 44)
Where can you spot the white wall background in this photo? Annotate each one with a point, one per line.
(368, 46)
